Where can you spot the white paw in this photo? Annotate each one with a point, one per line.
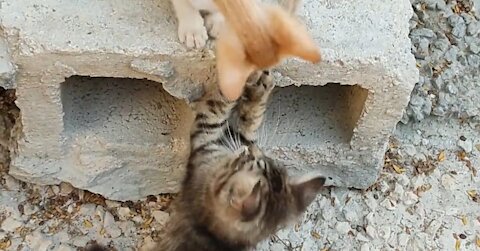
(192, 32)
(214, 23)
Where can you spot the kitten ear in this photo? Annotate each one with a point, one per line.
(305, 189)
(232, 65)
(291, 36)
(251, 203)
(249, 206)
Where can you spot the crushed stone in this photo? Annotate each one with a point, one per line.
(445, 41)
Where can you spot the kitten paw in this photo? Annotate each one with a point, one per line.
(192, 32)
(214, 23)
(259, 85)
(261, 80)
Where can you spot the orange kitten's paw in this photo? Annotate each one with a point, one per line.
(192, 32)
(214, 23)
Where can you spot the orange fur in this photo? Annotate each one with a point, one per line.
(257, 36)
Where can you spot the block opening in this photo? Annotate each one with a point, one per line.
(122, 111)
(313, 115)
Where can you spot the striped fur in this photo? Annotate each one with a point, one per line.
(233, 196)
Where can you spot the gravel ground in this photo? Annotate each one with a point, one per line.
(446, 43)
(428, 196)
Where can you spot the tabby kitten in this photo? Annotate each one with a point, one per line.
(233, 196)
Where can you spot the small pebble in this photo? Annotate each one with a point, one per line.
(112, 204)
(403, 239)
(350, 215)
(30, 209)
(433, 227)
(123, 213)
(87, 209)
(11, 183)
(161, 217)
(137, 219)
(410, 198)
(10, 224)
(343, 227)
(100, 213)
(473, 28)
(38, 242)
(110, 226)
(388, 204)
(466, 145)
(55, 190)
(365, 247)
(65, 189)
(371, 232)
(448, 181)
(64, 247)
(409, 149)
(384, 232)
(362, 238)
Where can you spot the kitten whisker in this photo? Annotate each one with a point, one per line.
(237, 139)
(227, 141)
(230, 136)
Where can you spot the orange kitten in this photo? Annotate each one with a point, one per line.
(257, 36)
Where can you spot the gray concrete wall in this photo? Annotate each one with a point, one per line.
(103, 87)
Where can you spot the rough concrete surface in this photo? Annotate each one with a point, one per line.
(364, 43)
(6, 67)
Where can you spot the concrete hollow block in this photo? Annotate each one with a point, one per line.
(7, 69)
(103, 88)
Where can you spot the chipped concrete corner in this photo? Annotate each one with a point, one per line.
(7, 69)
(103, 95)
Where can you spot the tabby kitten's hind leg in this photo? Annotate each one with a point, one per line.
(253, 103)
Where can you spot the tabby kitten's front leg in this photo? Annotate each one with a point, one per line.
(252, 106)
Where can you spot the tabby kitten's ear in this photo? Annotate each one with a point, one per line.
(249, 205)
(305, 189)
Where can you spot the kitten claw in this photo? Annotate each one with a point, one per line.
(261, 79)
(192, 33)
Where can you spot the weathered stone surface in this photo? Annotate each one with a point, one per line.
(6, 67)
(94, 113)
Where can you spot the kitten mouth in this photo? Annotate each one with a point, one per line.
(242, 150)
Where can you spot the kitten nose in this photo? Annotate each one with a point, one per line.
(245, 150)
